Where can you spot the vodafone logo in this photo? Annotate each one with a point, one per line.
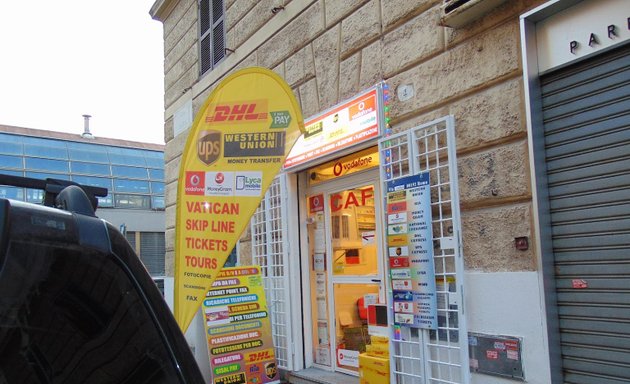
(219, 178)
(317, 203)
(342, 168)
(195, 183)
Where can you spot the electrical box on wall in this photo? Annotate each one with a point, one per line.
(496, 355)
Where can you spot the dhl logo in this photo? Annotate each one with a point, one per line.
(244, 112)
(253, 357)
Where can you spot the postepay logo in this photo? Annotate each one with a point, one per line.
(195, 183)
(248, 183)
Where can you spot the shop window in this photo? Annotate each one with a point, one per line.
(211, 34)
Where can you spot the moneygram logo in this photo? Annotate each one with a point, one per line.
(219, 184)
(195, 183)
(209, 146)
(244, 112)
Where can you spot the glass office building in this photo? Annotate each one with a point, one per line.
(132, 172)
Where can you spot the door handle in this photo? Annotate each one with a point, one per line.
(376, 280)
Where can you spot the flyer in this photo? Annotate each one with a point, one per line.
(238, 329)
(410, 251)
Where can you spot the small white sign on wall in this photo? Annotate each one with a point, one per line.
(183, 118)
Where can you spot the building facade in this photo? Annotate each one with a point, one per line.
(516, 110)
(132, 172)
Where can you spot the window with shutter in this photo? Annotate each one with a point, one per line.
(152, 249)
(211, 34)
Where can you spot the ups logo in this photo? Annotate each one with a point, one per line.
(271, 370)
(209, 146)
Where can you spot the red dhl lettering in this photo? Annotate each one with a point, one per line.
(244, 112)
(259, 356)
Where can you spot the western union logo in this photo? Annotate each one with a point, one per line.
(253, 144)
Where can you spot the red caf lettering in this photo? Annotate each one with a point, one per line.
(352, 199)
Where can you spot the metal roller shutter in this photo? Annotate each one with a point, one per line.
(152, 249)
(586, 112)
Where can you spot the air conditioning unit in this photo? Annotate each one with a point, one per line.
(457, 13)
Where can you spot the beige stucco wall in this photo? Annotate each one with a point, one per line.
(329, 50)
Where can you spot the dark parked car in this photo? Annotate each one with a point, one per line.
(76, 304)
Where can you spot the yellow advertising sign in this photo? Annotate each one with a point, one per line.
(238, 328)
(238, 143)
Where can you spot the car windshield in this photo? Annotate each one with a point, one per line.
(69, 314)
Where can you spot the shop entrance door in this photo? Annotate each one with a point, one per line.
(346, 270)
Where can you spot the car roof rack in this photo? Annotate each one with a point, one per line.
(64, 194)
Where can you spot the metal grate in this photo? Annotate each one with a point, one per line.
(152, 250)
(433, 356)
(269, 251)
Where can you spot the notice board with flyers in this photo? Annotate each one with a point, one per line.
(238, 329)
(410, 252)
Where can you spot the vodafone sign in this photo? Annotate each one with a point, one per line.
(352, 122)
(356, 162)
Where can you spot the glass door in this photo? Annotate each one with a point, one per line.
(346, 271)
